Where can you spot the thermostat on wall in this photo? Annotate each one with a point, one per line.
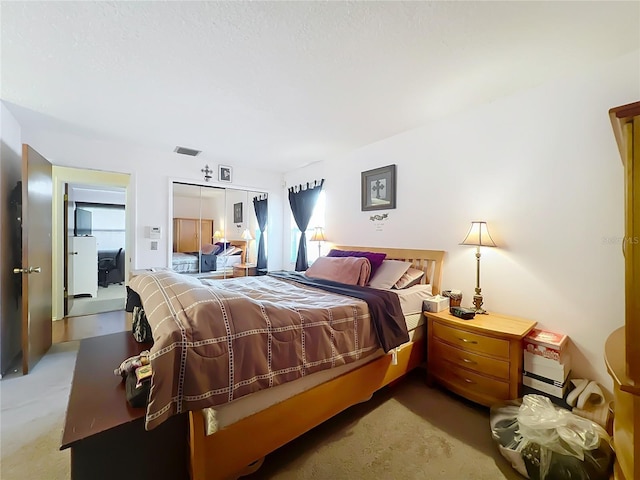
(154, 232)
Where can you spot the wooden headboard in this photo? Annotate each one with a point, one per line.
(430, 261)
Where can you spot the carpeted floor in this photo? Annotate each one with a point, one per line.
(109, 299)
(32, 415)
(407, 431)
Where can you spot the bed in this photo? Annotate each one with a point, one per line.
(225, 453)
(198, 262)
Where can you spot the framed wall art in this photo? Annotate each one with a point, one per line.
(224, 173)
(237, 213)
(379, 188)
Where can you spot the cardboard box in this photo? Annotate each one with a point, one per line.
(435, 304)
(547, 367)
(557, 389)
(546, 344)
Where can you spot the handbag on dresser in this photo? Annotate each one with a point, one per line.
(140, 327)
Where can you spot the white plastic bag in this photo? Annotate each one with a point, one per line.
(543, 441)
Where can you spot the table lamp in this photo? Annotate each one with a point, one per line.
(478, 236)
(246, 236)
(318, 236)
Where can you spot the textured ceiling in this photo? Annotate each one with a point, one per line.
(283, 84)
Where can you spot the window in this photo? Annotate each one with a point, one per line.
(107, 224)
(317, 220)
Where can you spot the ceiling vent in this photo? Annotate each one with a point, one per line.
(188, 151)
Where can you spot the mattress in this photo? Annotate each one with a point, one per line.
(188, 262)
(184, 262)
(217, 418)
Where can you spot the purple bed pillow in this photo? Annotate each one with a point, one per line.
(375, 259)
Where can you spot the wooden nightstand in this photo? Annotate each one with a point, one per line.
(480, 359)
(244, 270)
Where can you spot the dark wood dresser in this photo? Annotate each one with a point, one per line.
(106, 436)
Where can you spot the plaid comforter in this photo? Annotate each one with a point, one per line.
(216, 341)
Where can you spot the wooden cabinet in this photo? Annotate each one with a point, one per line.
(107, 437)
(622, 349)
(189, 234)
(480, 359)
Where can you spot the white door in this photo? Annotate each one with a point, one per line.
(83, 266)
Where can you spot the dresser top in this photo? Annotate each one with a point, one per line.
(504, 325)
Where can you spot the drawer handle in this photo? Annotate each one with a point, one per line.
(467, 341)
(466, 360)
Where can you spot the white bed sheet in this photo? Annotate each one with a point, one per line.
(227, 261)
(223, 415)
(411, 298)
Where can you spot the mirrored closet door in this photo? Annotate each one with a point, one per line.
(216, 231)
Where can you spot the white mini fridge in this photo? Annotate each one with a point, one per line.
(82, 267)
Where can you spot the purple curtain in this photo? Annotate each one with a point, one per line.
(302, 201)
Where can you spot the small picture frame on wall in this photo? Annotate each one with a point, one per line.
(224, 173)
(379, 188)
(237, 213)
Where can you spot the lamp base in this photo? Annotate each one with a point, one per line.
(477, 305)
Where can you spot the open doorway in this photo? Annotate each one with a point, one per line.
(96, 253)
(105, 195)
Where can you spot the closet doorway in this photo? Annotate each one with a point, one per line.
(215, 231)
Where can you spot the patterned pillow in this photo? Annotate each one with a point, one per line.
(375, 259)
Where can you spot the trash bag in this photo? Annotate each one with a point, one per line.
(543, 441)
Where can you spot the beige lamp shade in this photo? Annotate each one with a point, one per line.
(217, 235)
(318, 235)
(246, 235)
(478, 236)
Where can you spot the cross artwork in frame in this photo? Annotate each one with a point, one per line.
(224, 173)
(237, 212)
(379, 188)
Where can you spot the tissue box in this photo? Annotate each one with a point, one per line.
(435, 304)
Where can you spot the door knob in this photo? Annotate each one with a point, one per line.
(28, 270)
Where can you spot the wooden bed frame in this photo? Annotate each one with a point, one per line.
(239, 449)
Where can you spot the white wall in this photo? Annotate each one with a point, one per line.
(542, 168)
(152, 173)
(10, 174)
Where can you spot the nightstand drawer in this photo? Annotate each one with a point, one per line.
(472, 361)
(472, 342)
(467, 381)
